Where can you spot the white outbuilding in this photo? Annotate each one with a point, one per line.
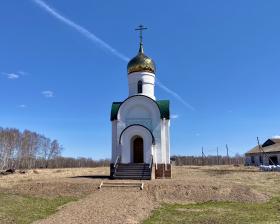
(140, 125)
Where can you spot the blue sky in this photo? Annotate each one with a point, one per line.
(221, 57)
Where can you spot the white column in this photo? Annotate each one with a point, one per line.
(163, 143)
(114, 141)
(167, 141)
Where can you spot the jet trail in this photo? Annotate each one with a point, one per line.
(80, 29)
(176, 95)
(53, 12)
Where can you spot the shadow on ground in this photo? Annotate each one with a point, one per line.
(93, 177)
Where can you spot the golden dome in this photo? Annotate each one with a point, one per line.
(141, 63)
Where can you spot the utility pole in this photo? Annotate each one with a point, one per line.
(202, 156)
(218, 156)
(227, 154)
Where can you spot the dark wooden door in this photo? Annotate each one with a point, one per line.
(138, 156)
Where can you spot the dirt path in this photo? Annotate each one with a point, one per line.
(106, 206)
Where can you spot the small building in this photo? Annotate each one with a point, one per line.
(266, 154)
(140, 125)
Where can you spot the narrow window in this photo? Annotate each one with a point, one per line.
(140, 86)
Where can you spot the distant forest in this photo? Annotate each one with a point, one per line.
(207, 160)
(28, 150)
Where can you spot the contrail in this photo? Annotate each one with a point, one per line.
(102, 44)
(176, 95)
(80, 29)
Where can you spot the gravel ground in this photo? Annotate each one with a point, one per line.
(131, 205)
(106, 206)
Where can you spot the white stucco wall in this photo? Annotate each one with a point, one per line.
(139, 110)
(148, 80)
(114, 141)
(126, 143)
(143, 111)
(163, 154)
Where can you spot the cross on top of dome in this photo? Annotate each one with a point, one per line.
(141, 62)
(140, 29)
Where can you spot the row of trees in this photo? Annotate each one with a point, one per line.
(207, 160)
(28, 150)
(22, 150)
(68, 162)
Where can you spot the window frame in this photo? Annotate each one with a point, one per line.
(140, 87)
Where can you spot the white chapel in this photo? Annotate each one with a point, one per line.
(140, 125)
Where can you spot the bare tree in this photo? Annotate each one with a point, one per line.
(9, 139)
(27, 149)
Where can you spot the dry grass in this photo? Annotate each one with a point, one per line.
(189, 184)
(53, 182)
(49, 175)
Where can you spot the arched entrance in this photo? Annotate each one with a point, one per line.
(138, 150)
(127, 144)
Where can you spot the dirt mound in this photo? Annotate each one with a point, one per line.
(182, 193)
(53, 189)
(7, 172)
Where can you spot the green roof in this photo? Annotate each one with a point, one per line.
(163, 106)
(114, 110)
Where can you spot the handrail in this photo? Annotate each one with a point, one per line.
(155, 158)
(116, 162)
(115, 165)
(151, 166)
(151, 161)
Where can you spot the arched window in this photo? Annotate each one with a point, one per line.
(140, 86)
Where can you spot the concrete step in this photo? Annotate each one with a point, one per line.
(129, 174)
(133, 170)
(133, 177)
(121, 184)
(136, 171)
(133, 174)
(134, 165)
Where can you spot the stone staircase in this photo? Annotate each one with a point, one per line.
(135, 171)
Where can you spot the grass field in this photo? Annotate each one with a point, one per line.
(26, 209)
(218, 213)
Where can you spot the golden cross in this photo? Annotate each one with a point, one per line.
(140, 29)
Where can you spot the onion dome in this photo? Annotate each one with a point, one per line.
(141, 63)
